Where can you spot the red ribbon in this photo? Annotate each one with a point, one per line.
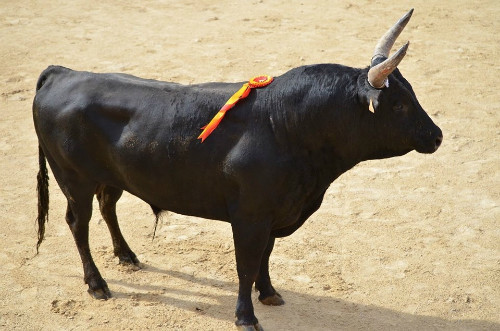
(243, 92)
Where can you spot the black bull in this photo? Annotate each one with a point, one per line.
(265, 169)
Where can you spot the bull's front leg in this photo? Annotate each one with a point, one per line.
(250, 242)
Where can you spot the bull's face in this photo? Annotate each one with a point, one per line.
(399, 119)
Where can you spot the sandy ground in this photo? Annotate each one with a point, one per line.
(407, 243)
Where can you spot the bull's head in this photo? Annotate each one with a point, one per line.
(399, 119)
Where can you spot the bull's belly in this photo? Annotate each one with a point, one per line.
(184, 201)
(188, 189)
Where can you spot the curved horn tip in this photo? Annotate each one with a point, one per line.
(406, 17)
(408, 14)
(384, 45)
(405, 46)
(396, 58)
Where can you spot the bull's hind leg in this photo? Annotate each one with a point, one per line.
(107, 197)
(268, 294)
(78, 216)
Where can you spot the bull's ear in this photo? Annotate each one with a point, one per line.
(371, 107)
(369, 99)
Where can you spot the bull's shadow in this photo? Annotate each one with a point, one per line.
(301, 311)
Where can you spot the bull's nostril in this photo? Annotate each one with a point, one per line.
(439, 140)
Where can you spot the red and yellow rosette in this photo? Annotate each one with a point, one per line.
(260, 81)
(243, 92)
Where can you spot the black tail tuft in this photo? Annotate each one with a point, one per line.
(42, 189)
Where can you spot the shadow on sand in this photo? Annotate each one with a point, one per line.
(301, 311)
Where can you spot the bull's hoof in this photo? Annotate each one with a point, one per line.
(269, 296)
(100, 294)
(255, 327)
(274, 300)
(130, 266)
(128, 258)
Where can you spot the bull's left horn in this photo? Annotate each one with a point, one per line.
(385, 43)
(378, 74)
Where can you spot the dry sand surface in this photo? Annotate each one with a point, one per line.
(407, 243)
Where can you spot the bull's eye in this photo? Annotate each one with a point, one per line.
(398, 107)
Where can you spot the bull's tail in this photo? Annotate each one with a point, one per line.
(42, 189)
(42, 186)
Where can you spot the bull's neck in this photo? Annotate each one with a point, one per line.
(332, 128)
(353, 141)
